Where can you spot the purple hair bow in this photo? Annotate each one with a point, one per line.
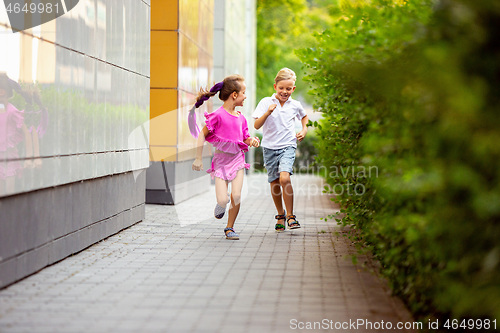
(217, 87)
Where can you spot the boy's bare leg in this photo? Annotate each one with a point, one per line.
(286, 185)
(276, 194)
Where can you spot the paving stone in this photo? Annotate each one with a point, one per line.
(175, 272)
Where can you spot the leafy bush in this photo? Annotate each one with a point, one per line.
(282, 26)
(413, 91)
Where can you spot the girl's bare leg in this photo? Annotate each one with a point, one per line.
(236, 186)
(221, 191)
(36, 148)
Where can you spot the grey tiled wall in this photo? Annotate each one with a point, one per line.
(73, 175)
(43, 227)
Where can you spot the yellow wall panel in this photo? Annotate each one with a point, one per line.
(25, 68)
(163, 130)
(46, 70)
(189, 18)
(164, 55)
(164, 14)
(167, 154)
(162, 101)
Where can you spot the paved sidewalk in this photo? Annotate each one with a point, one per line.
(175, 272)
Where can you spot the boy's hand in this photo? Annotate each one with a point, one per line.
(302, 134)
(197, 165)
(271, 108)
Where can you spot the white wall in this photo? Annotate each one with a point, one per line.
(75, 174)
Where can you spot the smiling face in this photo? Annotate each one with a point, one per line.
(284, 90)
(241, 96)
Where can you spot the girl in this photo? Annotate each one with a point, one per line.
(227, 130)
(13, 132)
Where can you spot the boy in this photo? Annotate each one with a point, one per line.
(276, 114)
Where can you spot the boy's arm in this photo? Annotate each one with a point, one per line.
(302, 134)
(259, 122)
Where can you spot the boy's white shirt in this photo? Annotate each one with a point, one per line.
(278, 130)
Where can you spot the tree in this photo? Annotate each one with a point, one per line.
(283, 27)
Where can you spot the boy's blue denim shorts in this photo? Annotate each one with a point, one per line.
(278, 160)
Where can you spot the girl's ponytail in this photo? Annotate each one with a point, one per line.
(203, 96)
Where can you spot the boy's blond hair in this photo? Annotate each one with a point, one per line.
(285, 74)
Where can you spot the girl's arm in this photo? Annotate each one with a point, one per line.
(251, 142)
(260, 121)
(198, 163)
(28, 162)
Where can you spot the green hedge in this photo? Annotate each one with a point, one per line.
(413, 91)
(304, 156)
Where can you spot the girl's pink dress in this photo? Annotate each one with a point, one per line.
(226, 133)
(11, 134)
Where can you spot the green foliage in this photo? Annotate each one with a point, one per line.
(305, 154)
(259, 156)
(74, 120)
(413, 90)
(282, 27)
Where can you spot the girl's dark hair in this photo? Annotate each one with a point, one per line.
(10, 86)
(6, 84)
(225, 88)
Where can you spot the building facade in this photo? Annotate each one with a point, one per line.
(74, 105)
(93, 117)
(194, 44)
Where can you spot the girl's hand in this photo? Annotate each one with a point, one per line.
(197, 165)
(254, 142)
(301, 135)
